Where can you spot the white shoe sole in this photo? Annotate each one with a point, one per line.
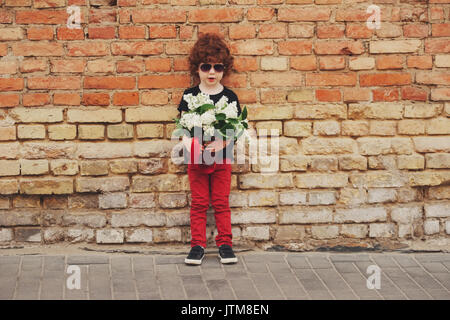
(192, 261)
(227, 260)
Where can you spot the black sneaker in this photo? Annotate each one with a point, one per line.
(195, 256)
(226, 254)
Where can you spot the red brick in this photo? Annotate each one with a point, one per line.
(243, 64)
(37, 49)
(44, 17)
(240, 31)
(36, 33)
(126, 66)
(252, 47)
(158, 64)
(126, 98)
(437, 46)
(96, 99)
(132, 32)
(102, 32)
(216, 15)
(332, 63)
(161, 32)
(70, 99)
(328, 95)
(389, 62)
(6, 16)
(186, 32)
(272, 31)
(413, 93)
(358, 31)
(65, 33)
(330, 31)
(11, 84)
(109, 82)
(386, 94)
(35, 99)
(136, 48)
(339, 47)
(158, 15)
(305, 63)
(9, 100)
(384, 79)
(64, 65)
(164, 81)
(50, 83)
(419, 62)
(304, 14)
(294, 47)
(331, 79)
(440, 29)
(415, 30)
(93, 49)
(260, 14)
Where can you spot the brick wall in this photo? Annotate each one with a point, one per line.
(363, 113)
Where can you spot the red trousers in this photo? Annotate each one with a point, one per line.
(205, 181)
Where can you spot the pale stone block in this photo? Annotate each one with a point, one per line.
(325, 232)
(292, 198)
(431, 227)
(62, 132)
(137, 218)
(360, 215)
(256, 233)
(326, 128)
(245, 216)
(378, 195)
(91, 132)
(9, 168)
(263, 198)
(110, 236)
(406, 215)
(139, 235)
(321, 198)
(381, 230)
(33, 167)
(354, 230)
(295, 128)
(438, 210)
(30, 132)
(64, 167)
(117, 200)
(98, 115)
(290, 215)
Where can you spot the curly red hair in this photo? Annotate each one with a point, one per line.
(210, 47)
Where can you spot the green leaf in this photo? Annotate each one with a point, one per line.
(221, 116)
(244, 113)
(205, 107)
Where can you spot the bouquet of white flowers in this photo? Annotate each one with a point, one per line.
(204, 114)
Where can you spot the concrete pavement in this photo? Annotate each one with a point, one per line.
(257, 275)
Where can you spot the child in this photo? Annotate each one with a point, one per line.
(210, 60)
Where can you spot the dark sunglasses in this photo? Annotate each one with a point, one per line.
(207, 66)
